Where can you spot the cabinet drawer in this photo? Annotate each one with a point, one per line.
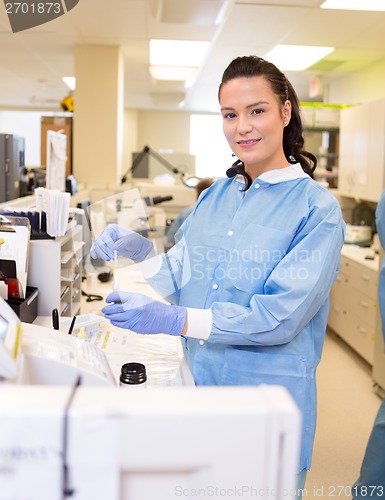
(363, 306)
(337, 316)
(355, 332)
(360, 277)
(360, 336)
(339, 287)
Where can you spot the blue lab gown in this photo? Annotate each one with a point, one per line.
(264, 262)
(380, 225)
(371, 481)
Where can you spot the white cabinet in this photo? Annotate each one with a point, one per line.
(353, 304)
(378, 373)
(361, 171)
(55, 269)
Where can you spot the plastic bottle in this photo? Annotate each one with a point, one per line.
(133, 376)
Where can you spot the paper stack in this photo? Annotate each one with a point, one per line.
(15, 233)
(56, 205)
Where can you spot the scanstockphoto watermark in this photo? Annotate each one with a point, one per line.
(249, 274)
(27, 14)
(317, 491)
(252, 264)
(253, 253)
(245, 491)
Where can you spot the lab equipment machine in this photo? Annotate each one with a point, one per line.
(161, 443)
(11, 166)
(36, 355)
(96, 440)
(143, 167)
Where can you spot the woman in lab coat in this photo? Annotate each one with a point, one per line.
(248, 281)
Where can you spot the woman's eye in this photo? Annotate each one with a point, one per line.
(257, 111)
(229, 115)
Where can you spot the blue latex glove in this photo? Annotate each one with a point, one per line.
(124, 241)
(141, 314)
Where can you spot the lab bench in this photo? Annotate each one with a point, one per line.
(161, 354)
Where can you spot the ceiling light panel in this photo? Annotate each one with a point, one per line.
(369, 5)
(173, 73)
(177, 52)
(296, 57)
(70, 81)
(198, 12)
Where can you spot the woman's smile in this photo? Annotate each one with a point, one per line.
(247, 143)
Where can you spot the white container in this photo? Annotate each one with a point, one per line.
(358, 234)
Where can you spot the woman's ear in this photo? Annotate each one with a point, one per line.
(286, 112)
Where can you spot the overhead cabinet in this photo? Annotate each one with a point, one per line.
(362, 151)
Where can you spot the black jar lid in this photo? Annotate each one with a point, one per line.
(133, 373)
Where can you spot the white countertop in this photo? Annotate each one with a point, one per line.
(162, 354)
(363, 255)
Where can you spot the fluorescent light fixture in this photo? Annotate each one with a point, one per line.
(177, 60)
(70, 81)
(173, 73)
(177, 52)
(373, 5)
(296, 57)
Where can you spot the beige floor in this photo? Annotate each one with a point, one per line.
(347, 406)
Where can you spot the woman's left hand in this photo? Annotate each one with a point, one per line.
(141, 314)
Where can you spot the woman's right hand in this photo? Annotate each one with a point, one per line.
(123, 241)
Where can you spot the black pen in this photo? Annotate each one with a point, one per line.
(55, 319)
(72, 325)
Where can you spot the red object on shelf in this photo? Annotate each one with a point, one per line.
(13, 288)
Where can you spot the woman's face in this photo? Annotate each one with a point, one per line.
(253, 123)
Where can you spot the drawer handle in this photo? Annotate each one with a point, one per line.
(363, 303)
(361, 329)
(336, 309)
(365, 277)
